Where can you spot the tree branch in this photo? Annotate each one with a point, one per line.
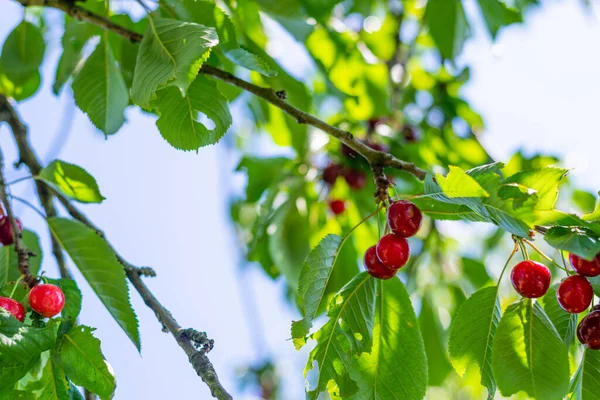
(197, 358)
(277, 98)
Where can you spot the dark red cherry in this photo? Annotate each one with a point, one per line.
(393, 251)
(585, 267)
(575, 294)
(376, 146)
(6, 233)
(13, 307)
(355, 178)
(375, 267)
(331, 173)
(337, 206)
(348, 152)
(588, 331)
(404, 218)
(531, 279)
(410, 135)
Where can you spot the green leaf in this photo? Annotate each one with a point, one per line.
(517, 192)
(544, 181)
(19, 91)
(262, 173)
(171, 53)
(458, 184)
(98, 264)
(312, 284)
(472, 333)
(347, 332)
(179, 120)
(9, 263)
(446, 211)
(20, 348)
(74, 393)
(73, 181)
(586, 382)
(100, 91)
(438, 365)
(50, 384)
(576, 240)
(72, 297)
(474, 270)
(594, 215)
(564, 322)
(448, 26)
(396, 368)
(22, 53)
(78, 353)
(75, 37)
(528, 354)
(497, 15)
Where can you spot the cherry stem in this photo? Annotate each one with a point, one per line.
(25, 178)
(365, 219)
(541, 253)
(515, 249)
(16, 285)
(524, 253)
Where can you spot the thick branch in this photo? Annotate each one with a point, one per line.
(277, 98)
(197, 358)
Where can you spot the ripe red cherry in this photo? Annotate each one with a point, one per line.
(6, 233)
(13, 307)
(331, 173)
(375, 267)
(355, 178)
(393, 251)
(575, 294)
(530, 279)
(47, 300)
(586, 267)
(588, 331)
(337, 206)
(404, 218)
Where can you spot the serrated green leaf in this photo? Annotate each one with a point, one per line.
(244, 58)
(75, 37)
(576, 240)
(50, 384)
(496, 15)
(22, 53)
(347, 333)
(98, 264)
(472, 333)
(446, 211)
(564, 322)
(9, 263)
(528, 354)
(100, 91)
(171, 53)
(544, 181)
(20, 348)
(585, 385)
(396, 368)
(458, 184)
(73, 181)
(447, 25)
(314, 277)
(179, 122)
(78, 353)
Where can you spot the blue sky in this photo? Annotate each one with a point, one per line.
(537, 88)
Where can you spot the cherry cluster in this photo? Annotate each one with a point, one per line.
(575, 294)
(392, 251)
(46, 299)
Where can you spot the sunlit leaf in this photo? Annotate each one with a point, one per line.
(73, 181)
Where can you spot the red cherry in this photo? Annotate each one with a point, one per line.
(575, 294)
(355, 178)
(404, 218)
(530, 279)
(588, 331)
(586, 267)
(47, 300)
(337, 206)
(376, 146)
(393, 251)
(348, 152)
(375, 267)
(410, 135)
(6, 233)
(13, 307)
(331, 173)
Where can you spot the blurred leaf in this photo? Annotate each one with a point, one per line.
(564, 322)
(171, 54)
(179, 122)
(78, 353)
(472, 333)
(438, 365)
(474, 270)
(262, 173)
(497, 15)
(73, 181)
(9, 263)
(100, 91)
(594, 215)
(98, 264)
(20, 348)
(447, 25)
(396, 336)
(19, 91)
(580, 241)
(349, 331)
(22, 53)
(585, 201)
(528, 354)
(585, 385)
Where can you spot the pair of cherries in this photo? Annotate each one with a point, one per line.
(392, 251)
(45, 299)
